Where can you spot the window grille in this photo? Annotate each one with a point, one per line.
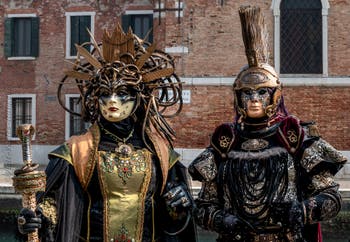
(301, 37)
(21, 113)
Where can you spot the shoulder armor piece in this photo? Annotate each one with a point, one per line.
(223, 138)
(320, 152)
(204, 166)
(291, 134)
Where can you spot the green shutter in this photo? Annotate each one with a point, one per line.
(74, 34)
(84, 23)
(35, 37)
(126, 22)
(8, 37)
(150, 36)
(79, 35)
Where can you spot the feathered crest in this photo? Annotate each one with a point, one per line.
(255, 35)
(258, 73)
(123, 59)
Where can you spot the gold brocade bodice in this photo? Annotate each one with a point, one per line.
(124, 177)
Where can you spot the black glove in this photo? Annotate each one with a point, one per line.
(291, 215)
(296, 218)
(178, 196)
(28, 221)
(226, 223)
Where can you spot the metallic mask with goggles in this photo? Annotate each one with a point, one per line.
(257, 81)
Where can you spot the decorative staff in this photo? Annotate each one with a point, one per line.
(28, 180)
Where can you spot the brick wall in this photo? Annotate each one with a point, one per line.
(339, 44)
(211, 33)
(212, 105)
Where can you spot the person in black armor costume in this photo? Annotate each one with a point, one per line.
(121, 180)
(267, 176)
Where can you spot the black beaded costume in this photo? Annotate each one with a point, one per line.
(270, 178)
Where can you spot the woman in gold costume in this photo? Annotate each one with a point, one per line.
(121, 180)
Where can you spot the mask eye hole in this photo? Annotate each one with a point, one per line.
(122, 93)
(262, 91)
(125, 95)
(248, 92)
(105, 93)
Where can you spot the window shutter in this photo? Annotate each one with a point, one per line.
(84, 23)
(8, 37)
(126, 22)
(79, 34)
(140, 25)
(150, 28)
(35, 37)
(74, 32)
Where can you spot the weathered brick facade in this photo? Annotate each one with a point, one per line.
(325, 105)
(211, 34)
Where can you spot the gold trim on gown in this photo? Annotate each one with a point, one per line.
(124, 179)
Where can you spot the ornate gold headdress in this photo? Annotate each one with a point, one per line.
(258, 73)
(123, 59)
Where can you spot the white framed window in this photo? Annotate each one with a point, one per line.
(76, 33)
(21, 109)
(74, 124)
(276, 4)
(21, 39)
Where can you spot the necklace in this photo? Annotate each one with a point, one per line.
(115, 137)
(125, 160)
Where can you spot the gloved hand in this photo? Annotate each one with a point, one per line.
(177, 196)
(226, 223)
(291, 216)
(28, 221)
(296, 218)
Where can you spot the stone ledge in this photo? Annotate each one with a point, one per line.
(345, 193)
(6, 189)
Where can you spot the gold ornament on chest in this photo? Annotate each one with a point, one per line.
(254, 144)
(125, 161)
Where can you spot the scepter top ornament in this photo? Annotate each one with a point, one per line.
(25, 133)
(27, 180)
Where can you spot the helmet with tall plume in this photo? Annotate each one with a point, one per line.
(258, 73)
